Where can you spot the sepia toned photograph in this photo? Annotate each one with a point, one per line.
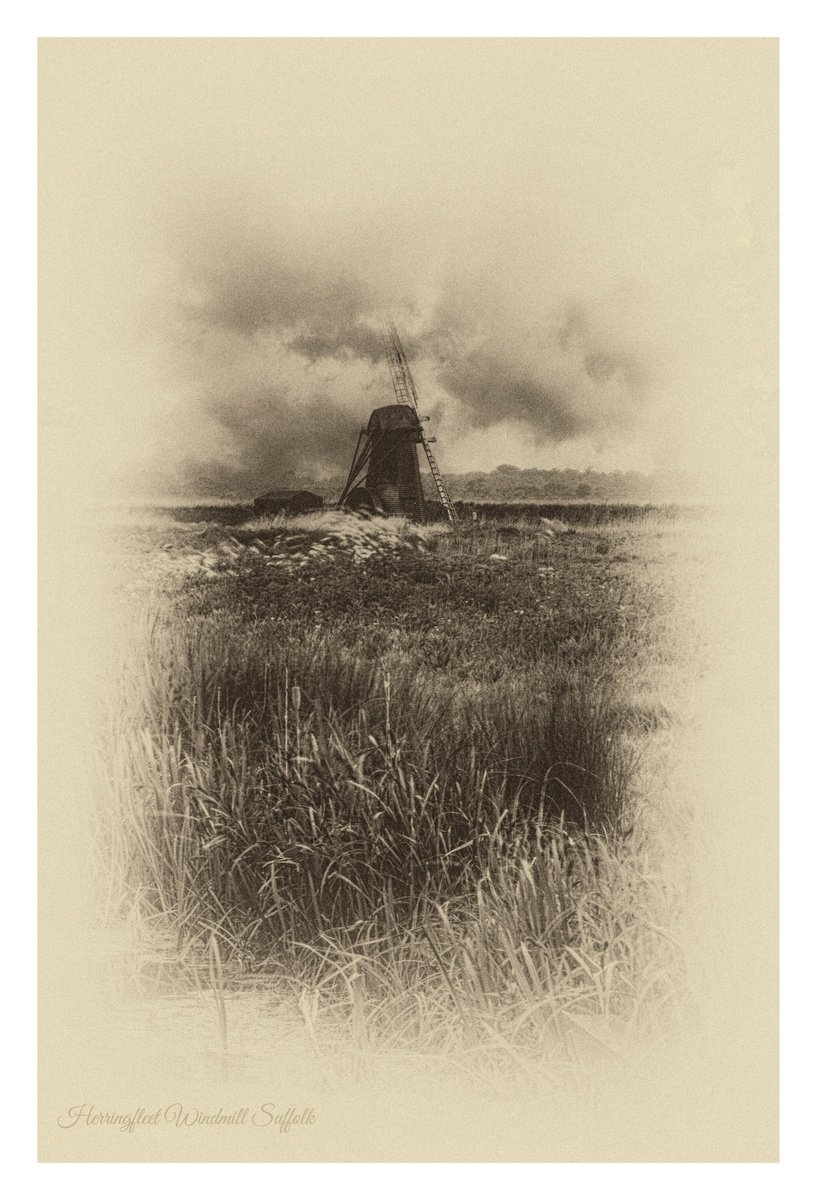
(408, 599)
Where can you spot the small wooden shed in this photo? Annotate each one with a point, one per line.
(283, 500)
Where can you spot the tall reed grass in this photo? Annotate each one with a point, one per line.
(416, 857)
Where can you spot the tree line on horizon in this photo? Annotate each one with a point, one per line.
(507, 483)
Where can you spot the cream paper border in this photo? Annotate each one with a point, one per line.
(744, 724)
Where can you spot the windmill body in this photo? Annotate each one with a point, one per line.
(392, 480)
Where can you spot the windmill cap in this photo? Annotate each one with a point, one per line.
(393, 416)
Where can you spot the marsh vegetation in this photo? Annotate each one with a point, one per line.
(410, 779)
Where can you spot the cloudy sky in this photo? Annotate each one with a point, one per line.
(576, 238)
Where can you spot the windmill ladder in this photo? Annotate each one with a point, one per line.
(438, 479)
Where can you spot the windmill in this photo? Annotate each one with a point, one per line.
(385, 470)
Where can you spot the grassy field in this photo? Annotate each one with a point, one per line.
(411, 779)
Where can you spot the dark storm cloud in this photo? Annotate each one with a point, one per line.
(267, 437)
(561, 379)
(250, 296)
(354, 340)
(244, 284)
(494, 389)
